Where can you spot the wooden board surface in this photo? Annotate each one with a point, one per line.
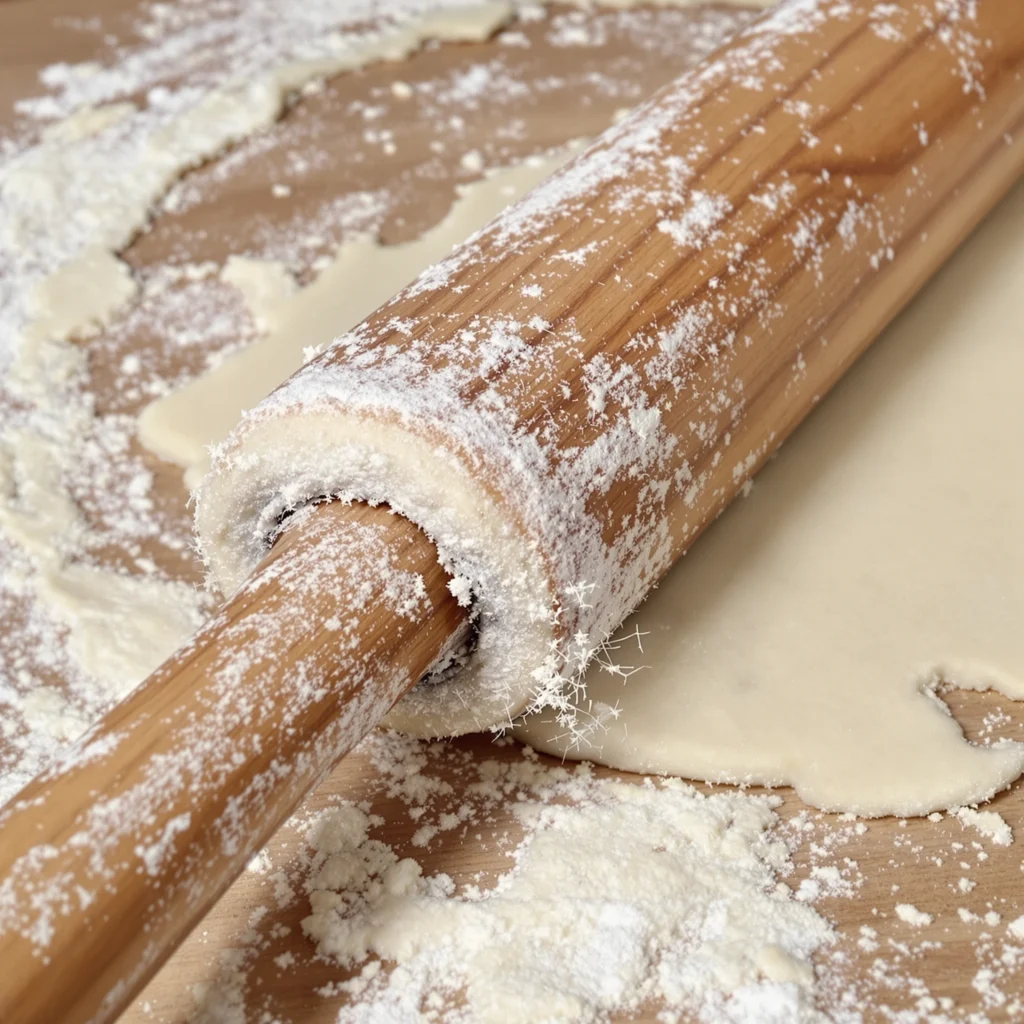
(322, 150)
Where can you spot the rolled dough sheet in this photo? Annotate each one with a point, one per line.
(801, 639)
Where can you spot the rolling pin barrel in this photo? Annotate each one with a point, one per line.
(673, 303)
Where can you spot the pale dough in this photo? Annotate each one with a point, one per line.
(800, 639)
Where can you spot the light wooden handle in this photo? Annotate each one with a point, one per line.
(110, 858)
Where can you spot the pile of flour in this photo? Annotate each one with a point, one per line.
(618, 896)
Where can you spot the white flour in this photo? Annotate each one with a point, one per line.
(675, 904)
(619, 896)
(590, 889)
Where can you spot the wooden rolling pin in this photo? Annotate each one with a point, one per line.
(754, 227)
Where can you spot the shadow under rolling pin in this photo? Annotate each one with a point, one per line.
(676, 299)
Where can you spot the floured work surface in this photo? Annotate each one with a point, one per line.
(924, 910)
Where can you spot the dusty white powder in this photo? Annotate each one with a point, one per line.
(989, 823)
(618, 896)
(911, 915)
